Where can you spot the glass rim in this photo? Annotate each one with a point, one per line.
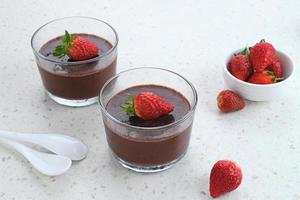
(37, 53)
(175, 123)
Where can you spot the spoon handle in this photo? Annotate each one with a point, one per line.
(22, 149)
(45, 163)
(22, 137)
(19, 147)
(57, 143)
(35, 138)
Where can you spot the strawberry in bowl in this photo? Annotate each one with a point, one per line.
(258, 73)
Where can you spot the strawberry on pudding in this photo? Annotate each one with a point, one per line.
(147, 105)
(76, 47)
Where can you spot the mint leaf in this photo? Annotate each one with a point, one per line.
(128, 107)
(62, 50)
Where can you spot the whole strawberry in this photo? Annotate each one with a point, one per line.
(261, 55)
(228, 101)
(276, 68)
(147, 105)
(225, 176)
(264, 77)
(240, 67)
(76, 48)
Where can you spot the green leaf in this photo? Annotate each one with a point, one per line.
(273, 77)
(67, 38)
(62, 50)
(128, 107)
(270, 72)
(245, 51)
(262, 40)
(59, 51)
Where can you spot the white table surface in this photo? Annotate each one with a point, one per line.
(192, 37)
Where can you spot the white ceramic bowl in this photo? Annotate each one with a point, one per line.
(259, 92)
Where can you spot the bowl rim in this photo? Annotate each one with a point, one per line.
(226, 70)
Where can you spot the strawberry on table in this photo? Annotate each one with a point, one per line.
(228, 101)
(76, 48)
(261, 55)
(239, 65)
(225, 176)
(147, 105)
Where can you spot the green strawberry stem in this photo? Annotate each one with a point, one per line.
(245, 51)
(62, 50)
(274, 78)
(219, 100)
(262, 41)
(278, 79)
(128, 107)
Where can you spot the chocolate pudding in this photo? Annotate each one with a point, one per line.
(149, 147)
(76, 80)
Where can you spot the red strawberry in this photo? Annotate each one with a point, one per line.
(276, 68)
(264, 77)
(76, 47)
(147, 105)
(228, 101)
(240, 67)
(225, 176)
(261, 55)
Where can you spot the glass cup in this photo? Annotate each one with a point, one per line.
(148, 149)
(75, 83)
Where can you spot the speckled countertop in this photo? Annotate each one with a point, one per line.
(191, 37)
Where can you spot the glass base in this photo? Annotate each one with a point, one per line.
(147, 169)
(72, 103)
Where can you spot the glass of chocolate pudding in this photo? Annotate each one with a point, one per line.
(75, 82)
(148, 145)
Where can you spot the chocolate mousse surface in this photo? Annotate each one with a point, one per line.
(145, 151)
(71, 80)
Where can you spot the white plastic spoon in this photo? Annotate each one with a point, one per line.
(60, 144)
(48, 164)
